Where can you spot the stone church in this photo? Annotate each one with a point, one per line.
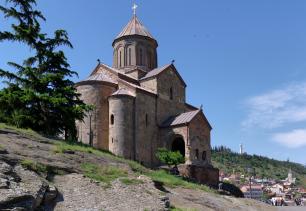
(140, 107)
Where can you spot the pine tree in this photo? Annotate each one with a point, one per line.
(40, 94)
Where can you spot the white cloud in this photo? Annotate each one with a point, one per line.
(293, 139)
(277, 108)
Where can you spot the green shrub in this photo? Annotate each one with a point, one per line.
(169, 157)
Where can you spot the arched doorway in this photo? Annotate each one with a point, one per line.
(178, 144)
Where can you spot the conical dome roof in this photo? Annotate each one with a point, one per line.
(135, 27)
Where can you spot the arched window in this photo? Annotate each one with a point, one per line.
(112, 119)
(150, 60)
(196, 154)
(120, 59)
(171, 94)
(204, 155)
(140, 57)
(147, 121)
(130, 56)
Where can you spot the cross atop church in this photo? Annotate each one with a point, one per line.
(134, 8)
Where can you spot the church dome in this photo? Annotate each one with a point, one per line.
(134, 28)
(135, 48)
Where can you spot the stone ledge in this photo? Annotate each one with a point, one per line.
(202, 174)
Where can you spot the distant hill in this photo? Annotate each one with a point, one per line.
(228, 162)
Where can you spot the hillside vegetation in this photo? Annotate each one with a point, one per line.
(229, 162)
(71, 176)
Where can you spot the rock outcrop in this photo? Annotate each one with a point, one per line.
(20, 188)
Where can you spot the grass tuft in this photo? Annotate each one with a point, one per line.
(172, 208)
(104, 174)
(34, 166)
(61, 147)
(28, 132)
(128, 181)
(174, 181)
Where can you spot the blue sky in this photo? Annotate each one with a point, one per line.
(245, 61)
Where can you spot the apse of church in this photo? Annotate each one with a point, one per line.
(140, 107)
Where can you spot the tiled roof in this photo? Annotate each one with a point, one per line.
(155, 72)
(96, 75)
(180, 119)
(100, 77)
(114, 70)
(135, 27)
(123, 92)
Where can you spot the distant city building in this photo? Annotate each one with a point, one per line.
(277, 189)
(255, 192)
(290, 178)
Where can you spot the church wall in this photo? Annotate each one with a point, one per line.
(95, 94)
(146, 130)
(199, 136)
(168, 79)
(168, 106)
(121, 129)
(150, 84)
(136, 73)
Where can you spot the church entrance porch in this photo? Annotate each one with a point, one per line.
(178, 144)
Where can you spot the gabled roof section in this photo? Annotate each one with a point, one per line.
(100, 73)
(100, 77)
(180, 119)
(135, 27)
(114, 71)
(184, 119)
(123, 92)
(157, 71)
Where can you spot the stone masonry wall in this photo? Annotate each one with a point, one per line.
(146, 128)
(166, 106)
(95, 94)
(199, 136)
(121, 132)
(150, 84)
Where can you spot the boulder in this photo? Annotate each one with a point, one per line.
(21, 189)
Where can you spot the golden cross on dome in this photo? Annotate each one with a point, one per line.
(134, 8)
